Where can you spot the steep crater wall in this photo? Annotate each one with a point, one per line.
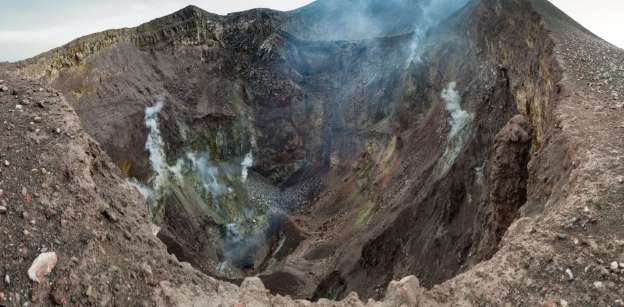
(448, 222)
(376, 160)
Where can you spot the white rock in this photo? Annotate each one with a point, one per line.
(614, 266)
(569, 273)
(42, 266)
(598, 285)
(253, 284)
(563, 303)
(7, 279)
(155, 229)
(147, 269)
(406, 291)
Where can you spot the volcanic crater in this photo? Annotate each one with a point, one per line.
(334, 148)
(323, 164)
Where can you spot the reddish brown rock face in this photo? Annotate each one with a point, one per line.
(508, 181)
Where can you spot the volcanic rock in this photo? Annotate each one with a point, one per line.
(42, 266)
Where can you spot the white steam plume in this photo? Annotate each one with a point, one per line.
(146, 191)
(155, 143)
(459, 118)
(460, 122)
(434, 12)
(246, 164)
(208, 174)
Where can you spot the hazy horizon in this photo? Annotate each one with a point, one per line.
(28, 28)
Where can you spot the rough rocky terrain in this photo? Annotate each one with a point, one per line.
(528, 213)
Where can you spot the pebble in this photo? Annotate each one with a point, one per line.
(550, 303)
(110, 215)
(89, 292)
(598, 285)
(3, 209)
(570, 275)
(146, 269)
(7, 163)
(614, 266)
(604, 271)
(7, 279)
(42, 266)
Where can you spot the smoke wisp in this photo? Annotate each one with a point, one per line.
(246, 164)
(460, 122)
(154, 144)
(352, 20)
(217, 189)
(459, 118)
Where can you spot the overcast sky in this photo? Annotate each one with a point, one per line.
(29, 27)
